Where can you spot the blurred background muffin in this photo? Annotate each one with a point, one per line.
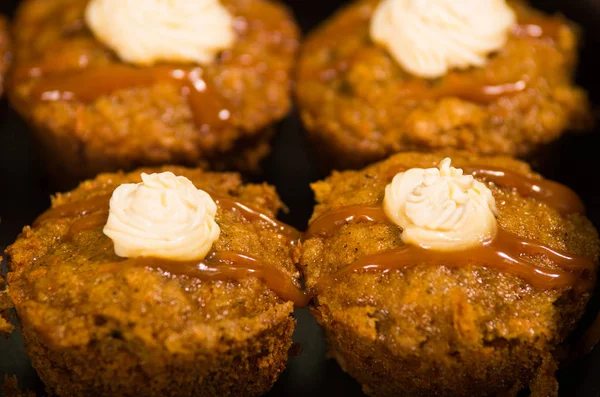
(107, 85)
(429, 282)
(120, 299)
(5, 55)
(381, 77)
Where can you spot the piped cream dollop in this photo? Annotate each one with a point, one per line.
(440, 208)
(164, 216)
(429, 37)
(151, 31)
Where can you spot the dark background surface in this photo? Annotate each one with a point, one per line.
(573, 160)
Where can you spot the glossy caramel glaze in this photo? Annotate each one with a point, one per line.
(220, 266)
(98, 207)
(195, 324)
(87, 85)
(506, 252)
(454, 85)
(66, 82)
(407, 322)
(360, 106)
(552, 193)
(503, 253)
(93, 213)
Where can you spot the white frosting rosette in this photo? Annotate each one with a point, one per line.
(151, 31)
(441, 209)
(164, 216)
(429, 37)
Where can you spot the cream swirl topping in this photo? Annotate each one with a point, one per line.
(429, 37)
(441, 209)
(164, 216)
(144, 33)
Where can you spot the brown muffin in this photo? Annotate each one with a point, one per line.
(122, 116)
(98, 329)
(359, 105)
(445, 328)
(4, 51)
(5, 305)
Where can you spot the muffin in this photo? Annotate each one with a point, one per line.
(380, 77)
(4, 51)
(431, 282)
(160, 322)
(180, 82)
(5, 306)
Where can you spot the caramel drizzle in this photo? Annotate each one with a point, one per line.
(554, 194)
(93, 214)
(483, 92)
(496, 254)
(220, 266)
(86, 85)
(327, 224)
(536, 27)
(453, 84)
(499, 253)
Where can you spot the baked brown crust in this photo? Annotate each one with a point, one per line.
(5, 55)
(435, 330)
(140, 331)
(353, 95)
(5, 306)
(153, 124)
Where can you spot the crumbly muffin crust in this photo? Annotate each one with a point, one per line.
(435, 330)
(153, 124)
(149, 333)
(357, 105)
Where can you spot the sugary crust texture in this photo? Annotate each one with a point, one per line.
(154, 125)
(5, 55)
(432, 330)
(350, 95)
(149, 333)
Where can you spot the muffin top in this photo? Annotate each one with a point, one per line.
(4, 51)
(68, 77)
(439, 293)
(71, 288)
(357, 98)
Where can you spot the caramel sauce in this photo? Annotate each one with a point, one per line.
(220, 266)
(455, 84)
(94, 212)
(552, 193)
(328, 223)
(88, 84)
(77, 208)
(227, 204)
(506, 253)
(537, 27)
(89, 222)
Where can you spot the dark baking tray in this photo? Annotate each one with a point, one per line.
(573, 160)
